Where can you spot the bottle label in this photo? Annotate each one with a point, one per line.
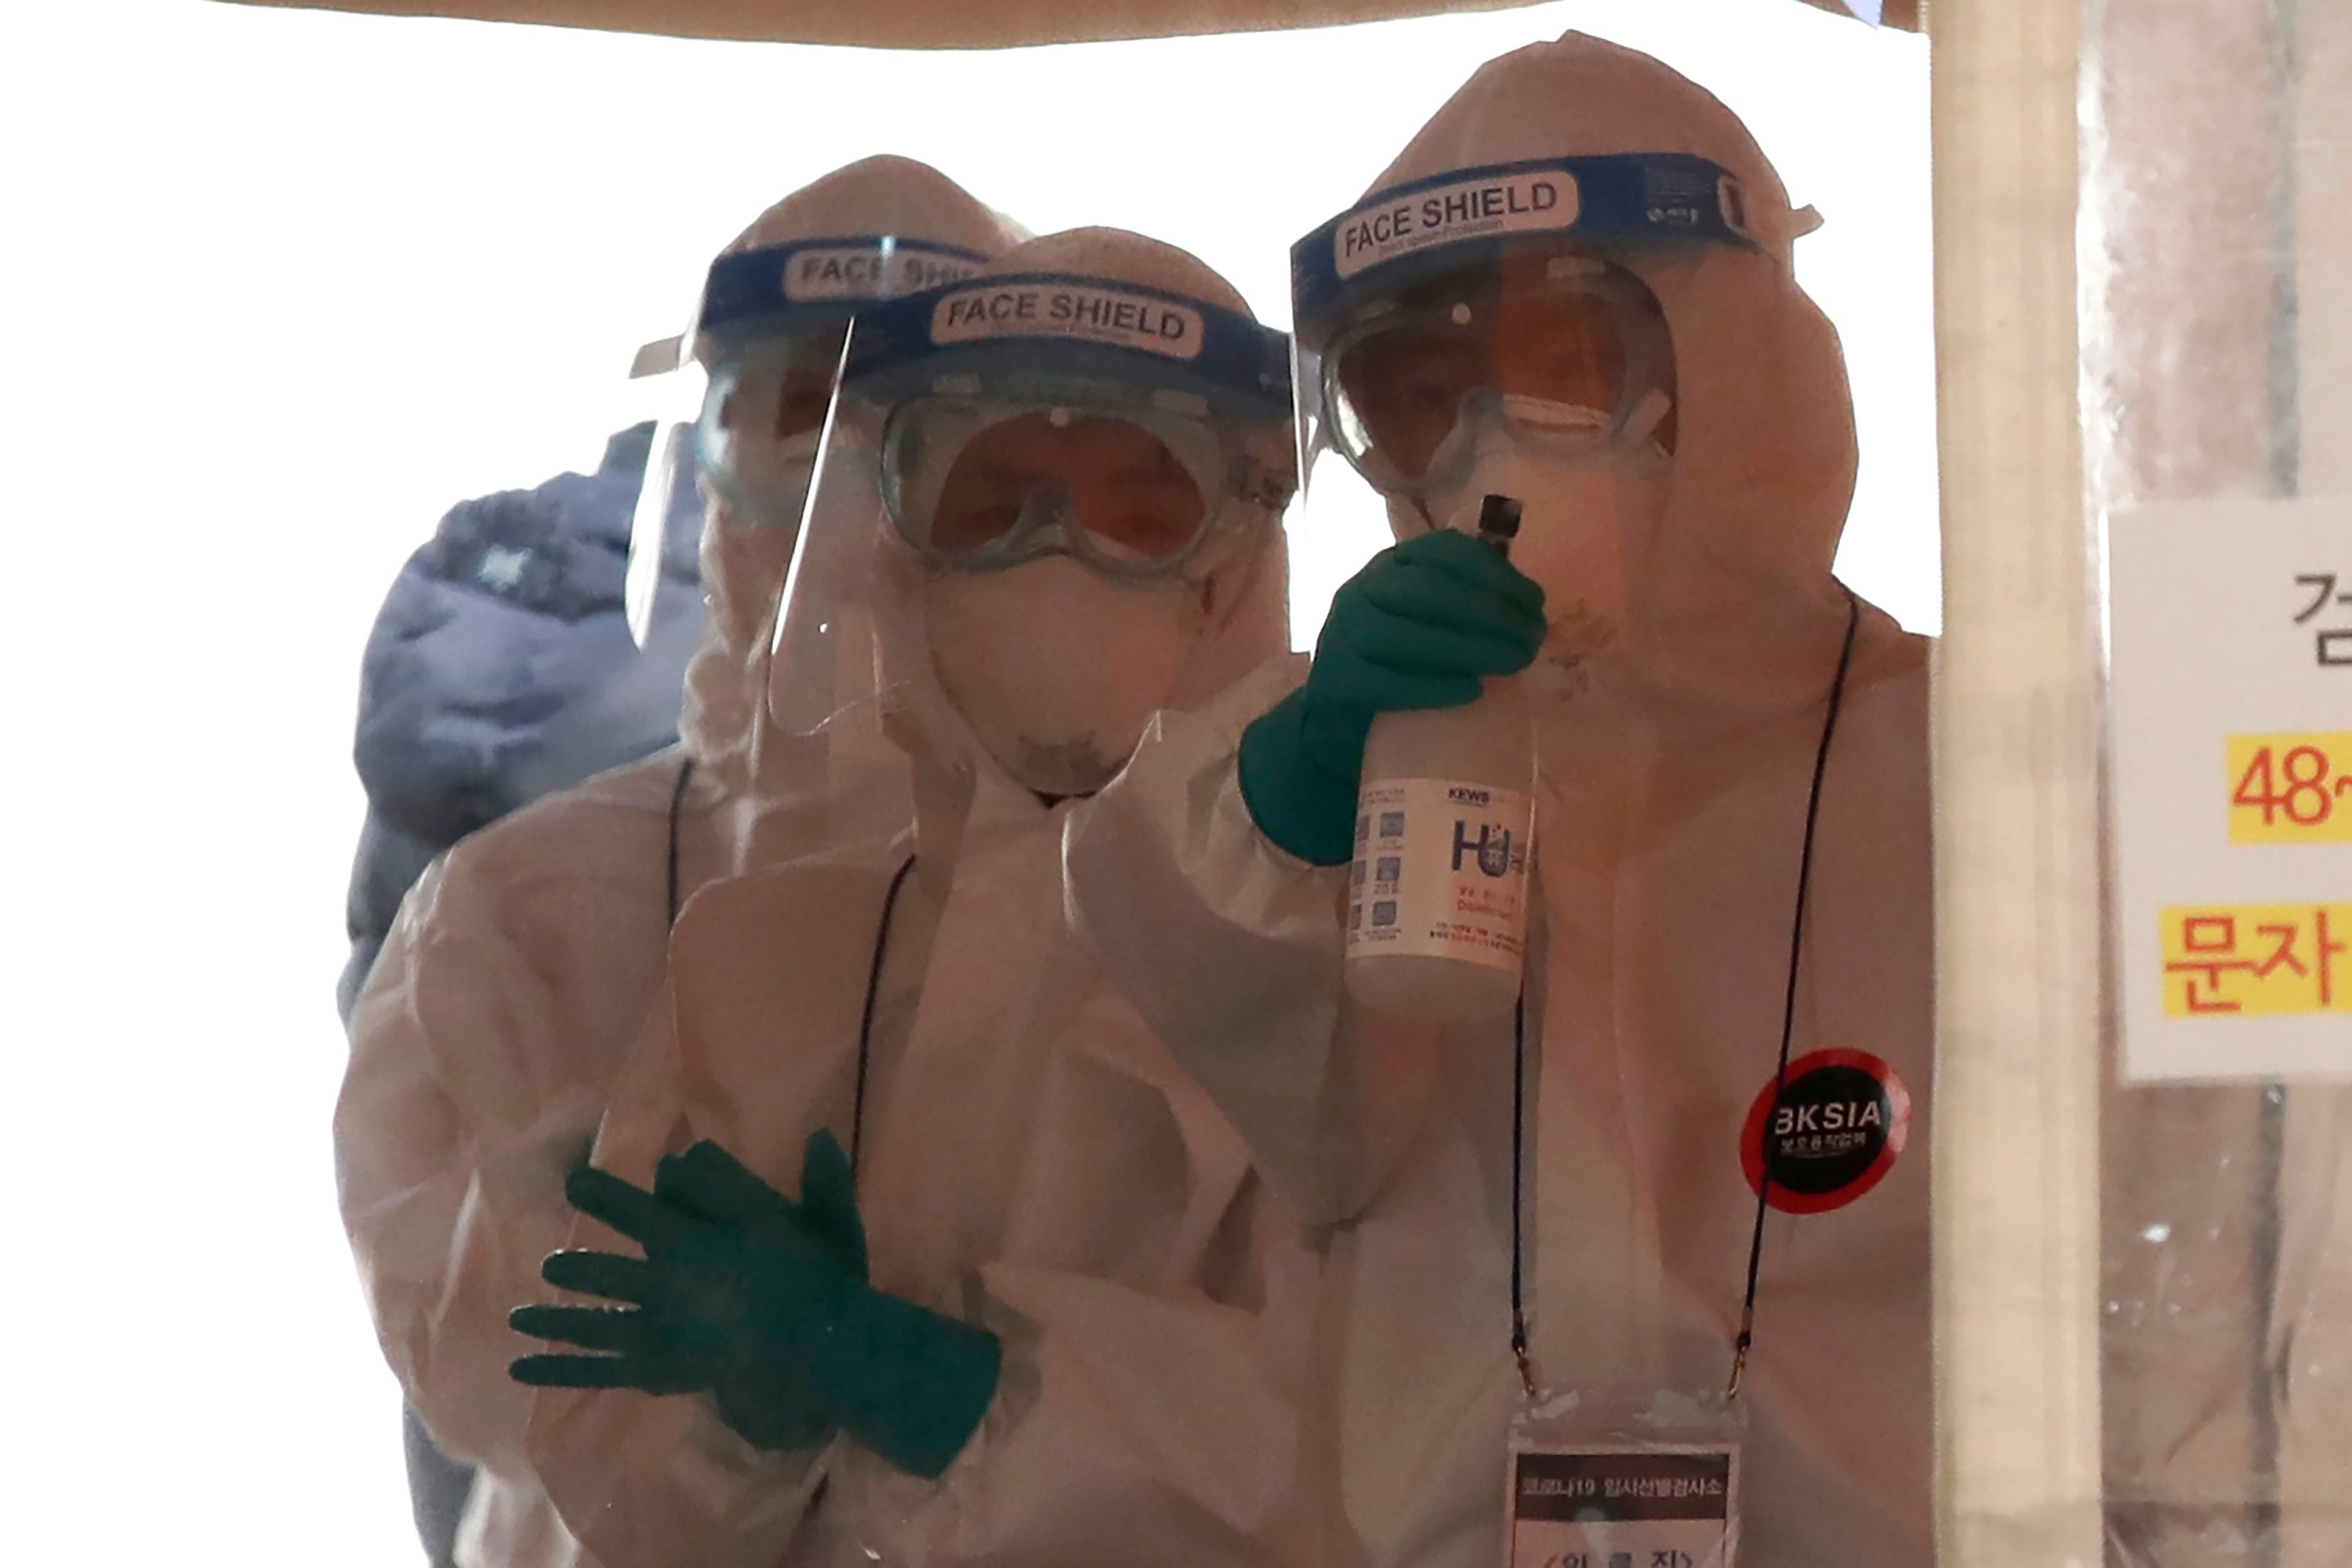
(1441, 870)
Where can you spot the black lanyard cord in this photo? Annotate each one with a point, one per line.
(873, 973)
(1518, 1203)
(677, 808)
(1747, 1337)
(865, 1017)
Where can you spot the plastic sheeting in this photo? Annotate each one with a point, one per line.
(975, 24)
(2216, 345)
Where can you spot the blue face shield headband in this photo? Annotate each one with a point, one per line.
(783, 286)
(1615, 201)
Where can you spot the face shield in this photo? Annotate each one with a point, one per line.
(1029, 416)
(1115, 437)
(754, 376)
(664, 507)
(1488, 332)
(1494, 304)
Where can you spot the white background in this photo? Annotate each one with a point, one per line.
(278, 288)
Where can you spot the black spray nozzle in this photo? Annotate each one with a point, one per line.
(1498, 520)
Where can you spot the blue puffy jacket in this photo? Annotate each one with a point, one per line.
(501, 668)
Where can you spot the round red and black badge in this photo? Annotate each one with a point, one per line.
(1843, 1120)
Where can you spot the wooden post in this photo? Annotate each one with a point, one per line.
(2017, 1092)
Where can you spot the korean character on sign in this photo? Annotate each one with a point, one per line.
(2279, 941)
(2267, 960)
(2210, 944)
(2332, 644)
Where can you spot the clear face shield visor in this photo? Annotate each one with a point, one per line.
(978, 447)
(763, 406)
(1561, 348)
(1490, 303)
(747, 387)
(1048, 414)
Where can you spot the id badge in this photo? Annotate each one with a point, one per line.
(1653, 1484)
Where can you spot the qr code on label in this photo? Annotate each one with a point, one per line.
(1392, 825)
(1384, 912)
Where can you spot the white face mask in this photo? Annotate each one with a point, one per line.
(1585, 516)
(1055, 667)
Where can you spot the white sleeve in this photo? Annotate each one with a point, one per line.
(1160, 1418)
(1158, 1421)
(1231, 948)
(514, 981)
(1159, 1411)
(451, 1161)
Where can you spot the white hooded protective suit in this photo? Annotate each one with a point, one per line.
(524, 963)
(1030, 1157)
(1674, 766)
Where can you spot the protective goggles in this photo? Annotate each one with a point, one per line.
(1487, 294)
(1048, 413)
(1561, 347)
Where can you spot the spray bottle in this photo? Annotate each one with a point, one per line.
(1444, 824)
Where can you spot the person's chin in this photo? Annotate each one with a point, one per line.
(1058, 770)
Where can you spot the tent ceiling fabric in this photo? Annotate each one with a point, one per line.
(970, 24)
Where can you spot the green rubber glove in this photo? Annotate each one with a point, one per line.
(657, 1342)
(761, 1298)
(1422, 625)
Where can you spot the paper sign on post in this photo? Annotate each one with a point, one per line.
(2229, 661)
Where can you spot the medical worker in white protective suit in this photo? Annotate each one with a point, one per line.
(524, 964)
(921, 1248)
(1574, 288)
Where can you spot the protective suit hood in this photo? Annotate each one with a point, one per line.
(744, 565)
(1766, 454)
